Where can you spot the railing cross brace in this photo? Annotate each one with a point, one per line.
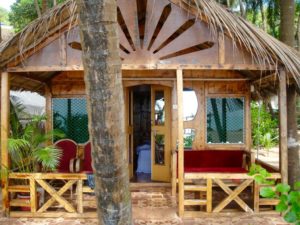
(233, 195)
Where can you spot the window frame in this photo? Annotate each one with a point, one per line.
(245, 115)
(52, 112)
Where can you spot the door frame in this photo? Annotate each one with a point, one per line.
(127, 87)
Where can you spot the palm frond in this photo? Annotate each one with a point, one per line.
(48, 156)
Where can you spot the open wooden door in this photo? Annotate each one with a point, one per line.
(160, 133)
(128, 96)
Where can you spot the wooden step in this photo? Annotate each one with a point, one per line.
(195, 188)
(19, 188)
(20, 202)
(194, 202)
(268, 201)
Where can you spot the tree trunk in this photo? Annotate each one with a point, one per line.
(102, 66)
(0, 32)
(44, 6)
(298, 33)
(37, 8)
(287, 14)
(263, 15)
(242, 9)
(293, 148)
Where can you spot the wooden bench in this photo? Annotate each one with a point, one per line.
(204, 169)
(216, 161)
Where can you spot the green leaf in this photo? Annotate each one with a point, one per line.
(267, 192)
(297, 185)
(290, 217)
(259, 179)
(283, 188)
(282, 206)
(283, 197)
(294, 196)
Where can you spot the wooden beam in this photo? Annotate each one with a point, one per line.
(48, 97)
(283, 127)
(179, 75)
(272, 77)
(5, 104)
(147, 67)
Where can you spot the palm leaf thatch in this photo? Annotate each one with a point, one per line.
(264, 49)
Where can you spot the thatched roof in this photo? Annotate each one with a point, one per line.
(264, 49)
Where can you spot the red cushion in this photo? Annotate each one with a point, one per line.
(215, 170)
(213, 158)
(69, 151)
(87, 161)
(223, 161)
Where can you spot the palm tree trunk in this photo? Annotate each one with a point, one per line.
(0, 31)
(44, 6)
(293, 149)
(298, 33)
(37, 8)
(242, 9)
(102, 65)
(287, 14)
(263, 15)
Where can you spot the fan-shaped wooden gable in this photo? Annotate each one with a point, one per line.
(152, 33)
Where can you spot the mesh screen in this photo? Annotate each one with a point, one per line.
(70, 116)
(225, 120)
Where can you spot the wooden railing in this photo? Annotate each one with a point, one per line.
(57, 190)
(64, 194)
(233, 184)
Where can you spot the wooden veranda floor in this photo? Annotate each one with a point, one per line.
(155, 205)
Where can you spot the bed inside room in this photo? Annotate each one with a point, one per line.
(142, 132)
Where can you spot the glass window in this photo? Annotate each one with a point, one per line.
(190, 104)
(70, 116)
(225, 120)
(189, 137)
(159, 108)
(159, 149)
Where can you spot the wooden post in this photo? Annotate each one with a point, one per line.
(5, 103)
(48, 96)
(174, 139)
(283, 127)
(221, 39)
(180, 143)
(33, 195)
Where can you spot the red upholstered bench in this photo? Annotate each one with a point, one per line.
(215, 161)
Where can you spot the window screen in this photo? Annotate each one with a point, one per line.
(70, 116)
(225, 120)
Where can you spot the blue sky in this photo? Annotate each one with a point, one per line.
(6, 3)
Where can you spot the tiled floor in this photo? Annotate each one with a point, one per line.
(156, 206)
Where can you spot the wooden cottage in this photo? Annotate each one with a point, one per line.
(169, 49)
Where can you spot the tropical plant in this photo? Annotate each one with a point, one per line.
(264, 127)
(28, 149)
(24, 11)
(289, 198)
